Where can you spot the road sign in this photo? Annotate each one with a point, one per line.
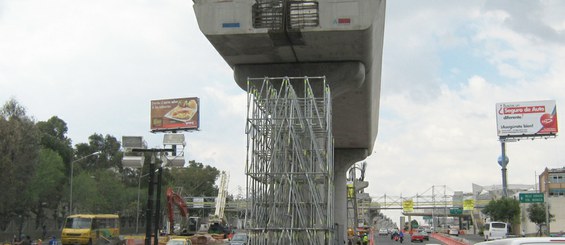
(531, 197)
(469, 204)
(455, 211)
(408, 206)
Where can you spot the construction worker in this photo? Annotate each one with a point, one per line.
(365, 239)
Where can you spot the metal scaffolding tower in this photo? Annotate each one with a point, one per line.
(289, 164)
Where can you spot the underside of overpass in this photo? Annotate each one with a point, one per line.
(340, 40)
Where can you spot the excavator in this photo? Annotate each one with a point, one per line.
(190, 226)
(174, 199)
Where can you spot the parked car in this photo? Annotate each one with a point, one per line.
(239, 239)
(418, 236)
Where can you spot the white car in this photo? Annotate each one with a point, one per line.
(383, 231)
(453, 232)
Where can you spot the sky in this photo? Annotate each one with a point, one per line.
(98, 64)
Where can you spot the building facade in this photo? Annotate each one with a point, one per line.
(552, 184)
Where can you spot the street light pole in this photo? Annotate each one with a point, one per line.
(72, 173)
(138, 191)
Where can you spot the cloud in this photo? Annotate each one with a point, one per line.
(532, 19)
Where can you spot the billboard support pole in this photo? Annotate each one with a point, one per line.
(158, 205)
(150, 197)
(503, 162)
(149, 210)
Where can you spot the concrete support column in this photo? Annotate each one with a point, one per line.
(343, 159)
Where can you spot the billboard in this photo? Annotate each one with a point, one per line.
(175, 114)
(532, 118)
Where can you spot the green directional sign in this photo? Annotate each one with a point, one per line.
(455, 211)
(531, 197)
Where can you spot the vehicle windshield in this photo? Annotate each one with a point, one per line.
(78, 223)
(175, 242)
(239, 237)
(498, 225)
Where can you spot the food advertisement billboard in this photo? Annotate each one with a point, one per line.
(532, 118)
(175, 114)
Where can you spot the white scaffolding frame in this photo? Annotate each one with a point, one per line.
(289, 163)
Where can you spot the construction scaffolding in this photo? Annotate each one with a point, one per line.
(289, 164)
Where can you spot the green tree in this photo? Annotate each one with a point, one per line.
(45, 187)
(109, 146)
(196, 179)
(54, 137)
(19, 151)
(537, 215)
(112, 191)
(86, 198)
(504, 209)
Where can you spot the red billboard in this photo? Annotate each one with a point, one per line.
(530, 118)
(175, 114)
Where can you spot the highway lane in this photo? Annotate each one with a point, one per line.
(385, 240)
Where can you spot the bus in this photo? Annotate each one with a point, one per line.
(90, 228)
(495, 230)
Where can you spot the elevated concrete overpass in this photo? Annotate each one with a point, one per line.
(339, 39)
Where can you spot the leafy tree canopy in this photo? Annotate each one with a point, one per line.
(13, 110)
(537, 215)
(49, 177)
(110, 154)
(505, 209)
(54, 137)
(19, 152)
(196, 179)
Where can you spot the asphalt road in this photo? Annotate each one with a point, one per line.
(385, 240)
(472, 239)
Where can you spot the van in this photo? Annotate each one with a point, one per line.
(88, 229)
(495, 230)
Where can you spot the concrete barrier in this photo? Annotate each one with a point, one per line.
(449, 240)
